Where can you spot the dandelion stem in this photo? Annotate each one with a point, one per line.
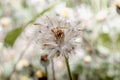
(53, 69)
(46, 72)
(68, 68)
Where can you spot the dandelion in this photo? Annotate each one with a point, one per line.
(58, 37)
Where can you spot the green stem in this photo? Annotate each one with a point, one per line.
(68, 68)
(53, 70)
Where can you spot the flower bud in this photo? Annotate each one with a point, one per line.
(44, 60)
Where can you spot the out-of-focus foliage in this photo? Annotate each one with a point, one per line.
(11, 37)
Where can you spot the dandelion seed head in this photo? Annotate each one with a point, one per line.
(59, 37)
(58, 33)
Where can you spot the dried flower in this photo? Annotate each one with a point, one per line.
(59, 37)
(44, 60)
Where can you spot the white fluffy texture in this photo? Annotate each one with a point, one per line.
(67, 45)
(1, 33)
(84, 13)
(102, 15)
(65, 12)
(38, 4)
